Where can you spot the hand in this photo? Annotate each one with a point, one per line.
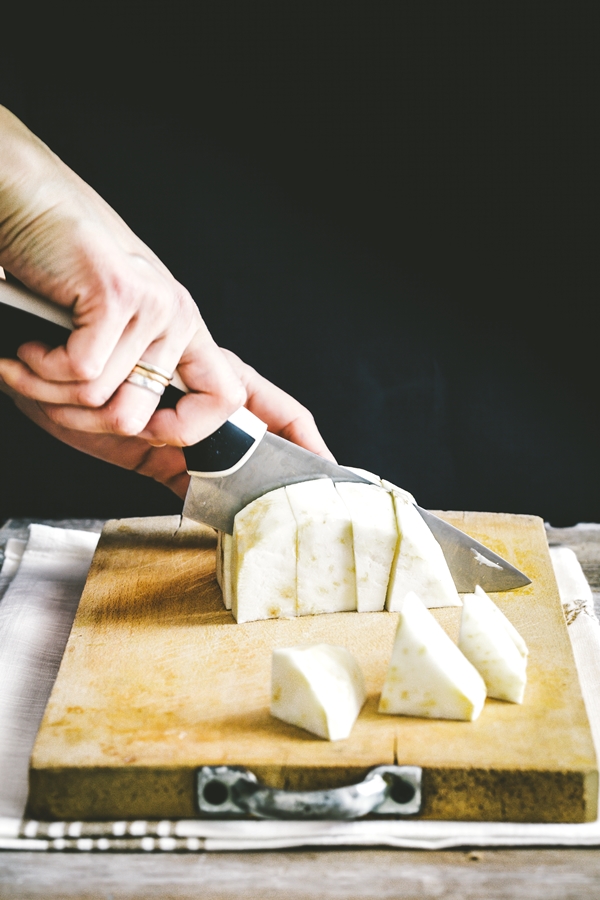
(62, 240)
(166, 464)
(283, 414)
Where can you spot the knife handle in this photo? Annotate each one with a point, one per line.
(225, 450)
(27, 317)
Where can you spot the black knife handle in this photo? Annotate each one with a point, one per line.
(220, 451)
(217, 453)
(18, 327)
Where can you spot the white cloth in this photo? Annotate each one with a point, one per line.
(35, 620)
(13, 553)
(36, 614)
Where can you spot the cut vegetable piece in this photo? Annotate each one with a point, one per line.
(419, 564)
(219, 561)
(375, 536)
(263, 562)
(226, 552)
(326, 580)
(428, 676)
(370, 476)
(397, 490)
(319, 688)
(506, 623)
(490, 646)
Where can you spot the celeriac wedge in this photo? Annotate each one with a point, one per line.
(506, 623)
(419, 564)
(219, 561)
(263, 559)
(428, 676)
(223, 566)
(493, 645)
(319, 688)
(326, 578)
(375, 535)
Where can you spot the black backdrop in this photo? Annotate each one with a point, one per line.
(390, 209)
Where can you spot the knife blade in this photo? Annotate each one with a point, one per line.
(242, 461)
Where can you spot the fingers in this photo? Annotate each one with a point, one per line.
(216, 391)
(110, 404)
(114, 399)
(90, 405)
(115, 320)
(283, 414)
(165, 465)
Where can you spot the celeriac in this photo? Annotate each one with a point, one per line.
(263, 563)
(374, 535)
(319, 688)
(326, 578)
(494, 646)
(419, 564)
(428, 676)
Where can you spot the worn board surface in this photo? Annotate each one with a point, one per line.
(158, 679)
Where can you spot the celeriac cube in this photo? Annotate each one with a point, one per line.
(326, 580)
(492, 644)
(263, 559)
(319, 688)
(375, 536)
(428, 676)
(419, 564)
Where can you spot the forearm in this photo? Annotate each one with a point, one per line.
(46, 210)
(28, 170)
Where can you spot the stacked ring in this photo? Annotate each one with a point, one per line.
(151, 377)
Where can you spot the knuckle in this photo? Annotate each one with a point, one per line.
(305, 417)
(20, 383)
(93, 395)
(301, 425)
(124, 422)
(55, 413)
(232, 397)
(86, 369)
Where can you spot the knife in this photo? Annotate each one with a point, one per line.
(242, 460)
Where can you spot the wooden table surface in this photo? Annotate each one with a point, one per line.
(547, 874)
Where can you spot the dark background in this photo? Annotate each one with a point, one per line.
(390, 209)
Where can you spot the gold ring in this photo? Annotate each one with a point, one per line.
(150, 377)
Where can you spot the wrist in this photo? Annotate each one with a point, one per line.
(26, 170)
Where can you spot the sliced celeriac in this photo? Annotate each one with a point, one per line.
(493, 645)
(364, 473)
(219, 561)
(506, 623)
(428, 676)
(223, 566)
(326, 580)
(263, 559)
(375, 536)
(397, 490)
(419, 564)
(319, 688)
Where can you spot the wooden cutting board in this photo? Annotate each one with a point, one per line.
(158, 679)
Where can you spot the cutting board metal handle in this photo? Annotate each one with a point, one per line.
(233, 791)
